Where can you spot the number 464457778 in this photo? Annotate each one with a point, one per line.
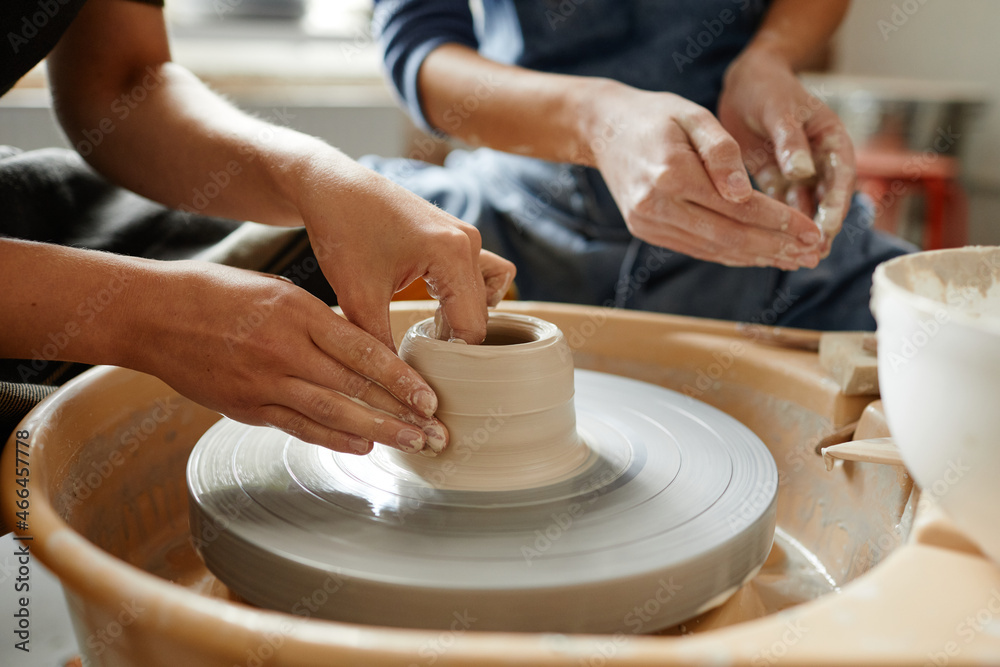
(22, 474)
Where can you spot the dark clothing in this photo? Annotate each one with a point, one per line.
(53, 196)
(559, 223)
(31, 29)
(679, 46)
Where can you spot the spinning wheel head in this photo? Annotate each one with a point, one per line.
(573, 511)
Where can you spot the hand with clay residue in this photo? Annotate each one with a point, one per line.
(679, 180)
(373, 238)
(794, 145)
(264, 352)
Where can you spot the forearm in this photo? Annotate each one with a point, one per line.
(794, 30)
(152, 127)
(64, 303)
(484, 103)
(304, 369)
(187, 148)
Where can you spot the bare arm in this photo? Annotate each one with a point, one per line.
(796, 31)
(151, 126)
(154, 128)
(296, 369)
(675, 173)
(60, 300)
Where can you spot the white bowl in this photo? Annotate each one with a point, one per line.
(938, 317)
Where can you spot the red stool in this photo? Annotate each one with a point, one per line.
(889, 175)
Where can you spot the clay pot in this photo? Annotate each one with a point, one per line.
(508, 406)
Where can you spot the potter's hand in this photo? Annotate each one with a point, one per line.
(371, 247)
(678, 179)
(265, 352)
(794, 145)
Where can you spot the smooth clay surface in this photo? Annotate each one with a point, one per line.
(508, 406)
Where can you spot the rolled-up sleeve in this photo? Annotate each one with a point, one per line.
(407, 31)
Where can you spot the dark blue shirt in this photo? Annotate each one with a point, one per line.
(559, 223)
(680, 46)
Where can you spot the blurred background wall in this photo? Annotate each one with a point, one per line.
(311, 64)
(941, 40)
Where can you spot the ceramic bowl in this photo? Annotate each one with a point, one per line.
(938, 335)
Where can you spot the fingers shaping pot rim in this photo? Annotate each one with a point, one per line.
(507, 334)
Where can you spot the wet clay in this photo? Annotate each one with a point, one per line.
(508, 406)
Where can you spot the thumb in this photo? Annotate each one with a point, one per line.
(720, 154)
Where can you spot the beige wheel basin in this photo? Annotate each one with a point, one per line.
(863, 570)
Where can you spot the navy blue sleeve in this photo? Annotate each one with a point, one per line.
(407, 31)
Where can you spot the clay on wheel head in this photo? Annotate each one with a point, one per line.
(508, 406)
(564, 504)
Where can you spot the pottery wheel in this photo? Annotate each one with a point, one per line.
(675, 511)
